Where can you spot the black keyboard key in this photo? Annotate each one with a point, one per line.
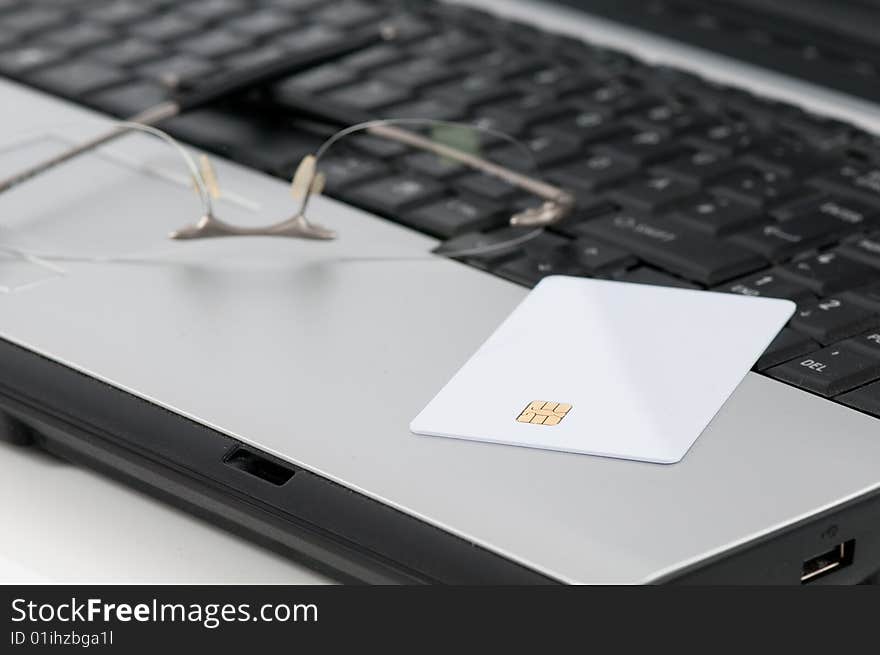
(786, 157)
(699, 167)
(832, 319)
(641, 148)
(453, 216)
(724, 138)
(369, 95)
(868, 343)
(540, 259)
(865, 249)
(372, 57)
(18, 61)
(768, 284)
(408, 27)
(391, 196)
(587, 125)
(546, 150)
(296, 6)
(866, 297)
(504, 63)
(346, 170)
(486, 186)
(762, 112)
(121, 12)
(212, 10)
(271, 145)
(548, 77)
(646, 275)
(32, 18)
(76, 79)
(865, 399)
(787, 345)
(607, 63)
(780, 240)
(166, 27)
(475, 89)
(317, 80)
(309, 38)
(78, 36)
(7, 39)
(177, 70)
(829, 371)
(668, 119)
(515, 116)
(451, 44)
(261, 23)
(129, 99)
(822, 133)
(426, 108)
(852, 180)
(440, 168)
(828, 273)
(215, 44)
(803, 203)
(557, 81)
(594, 174)
(852, 213)
(651, 194)
(616, 97)
(528, 270)
(377, 146)
(417, 73)
(673, 248)
(587, 207)
(755, 187)
(715, 215)
(597, 257)
(128, 52)
(348, 13)
(254, 57)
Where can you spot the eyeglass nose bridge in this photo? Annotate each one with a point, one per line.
(296, 227)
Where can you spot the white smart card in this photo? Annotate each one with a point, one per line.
(606, 368)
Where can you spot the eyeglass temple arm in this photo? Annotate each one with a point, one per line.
(557, 202)
(207, 93)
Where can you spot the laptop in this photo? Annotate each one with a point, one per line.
(268, 384)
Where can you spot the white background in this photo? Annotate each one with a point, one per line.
(64, 524)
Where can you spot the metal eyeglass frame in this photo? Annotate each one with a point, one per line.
(308, 181)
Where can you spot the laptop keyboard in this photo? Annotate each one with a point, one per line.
(680, 182)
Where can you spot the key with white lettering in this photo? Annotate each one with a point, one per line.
(832, 319)
(778, 240)
(787, 345)
(850, 212)
(652, 194)
(867, 343)
(675, 248)
(768, 284)
(829, 371)
(828, 272)
(852, 180)
(716, 215)
(866, 297)
(863, 248)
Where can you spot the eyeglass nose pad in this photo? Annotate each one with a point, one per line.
(297, 227)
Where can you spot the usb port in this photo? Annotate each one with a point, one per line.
(835, 559)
